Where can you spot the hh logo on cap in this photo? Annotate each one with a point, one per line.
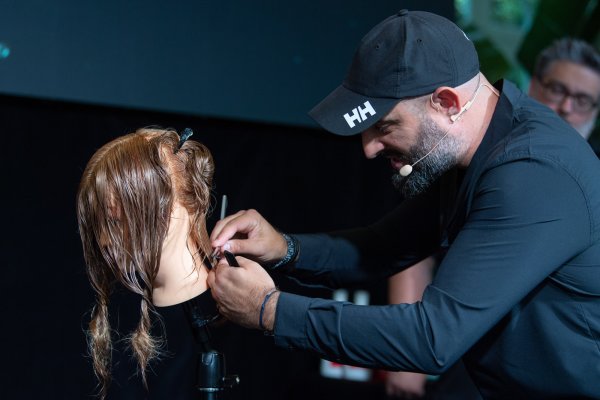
(359, 114)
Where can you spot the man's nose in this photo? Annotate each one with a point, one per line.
(371, 144)
(566, 105)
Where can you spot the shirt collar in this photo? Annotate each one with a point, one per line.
(501, 121)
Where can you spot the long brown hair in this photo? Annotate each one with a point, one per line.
(124, 204)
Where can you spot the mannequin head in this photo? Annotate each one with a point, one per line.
(129, 193)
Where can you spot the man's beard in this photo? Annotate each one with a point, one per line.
(429, 169)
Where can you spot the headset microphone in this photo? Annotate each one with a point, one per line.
(408, 168)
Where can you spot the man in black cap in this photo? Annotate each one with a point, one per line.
(517, 291)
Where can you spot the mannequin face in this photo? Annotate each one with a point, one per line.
(566, 88)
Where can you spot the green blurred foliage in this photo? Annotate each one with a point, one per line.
(553, 21)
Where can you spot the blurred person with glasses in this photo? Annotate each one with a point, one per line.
(567, 79)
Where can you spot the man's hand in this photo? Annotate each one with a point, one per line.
(239, 293)
(405, 385)
(248, 233)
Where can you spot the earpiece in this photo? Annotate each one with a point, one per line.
(464, 109)
(433, 104)
(454, 117)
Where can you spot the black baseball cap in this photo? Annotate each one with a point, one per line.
(409, 54)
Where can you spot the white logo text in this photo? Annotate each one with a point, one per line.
(359, 114)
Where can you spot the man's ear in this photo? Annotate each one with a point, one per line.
(447, 99)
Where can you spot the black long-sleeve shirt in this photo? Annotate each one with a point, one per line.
(517, 293)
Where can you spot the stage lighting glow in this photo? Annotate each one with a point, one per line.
(4, 51)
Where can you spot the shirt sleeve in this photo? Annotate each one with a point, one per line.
(345, 258)
(526, 219)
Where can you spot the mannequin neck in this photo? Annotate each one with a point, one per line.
(181, 276)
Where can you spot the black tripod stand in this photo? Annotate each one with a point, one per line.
(212, 380)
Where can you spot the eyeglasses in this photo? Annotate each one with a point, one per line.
(556, 92)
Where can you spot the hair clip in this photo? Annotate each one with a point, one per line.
(185, 135)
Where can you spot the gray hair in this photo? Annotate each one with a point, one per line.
(567, 49)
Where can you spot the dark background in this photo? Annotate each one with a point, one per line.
(265, 61)
(242, 76)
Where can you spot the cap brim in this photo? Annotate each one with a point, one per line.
(347, 113)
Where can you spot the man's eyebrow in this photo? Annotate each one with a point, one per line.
(557, 82)
(384, 123)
